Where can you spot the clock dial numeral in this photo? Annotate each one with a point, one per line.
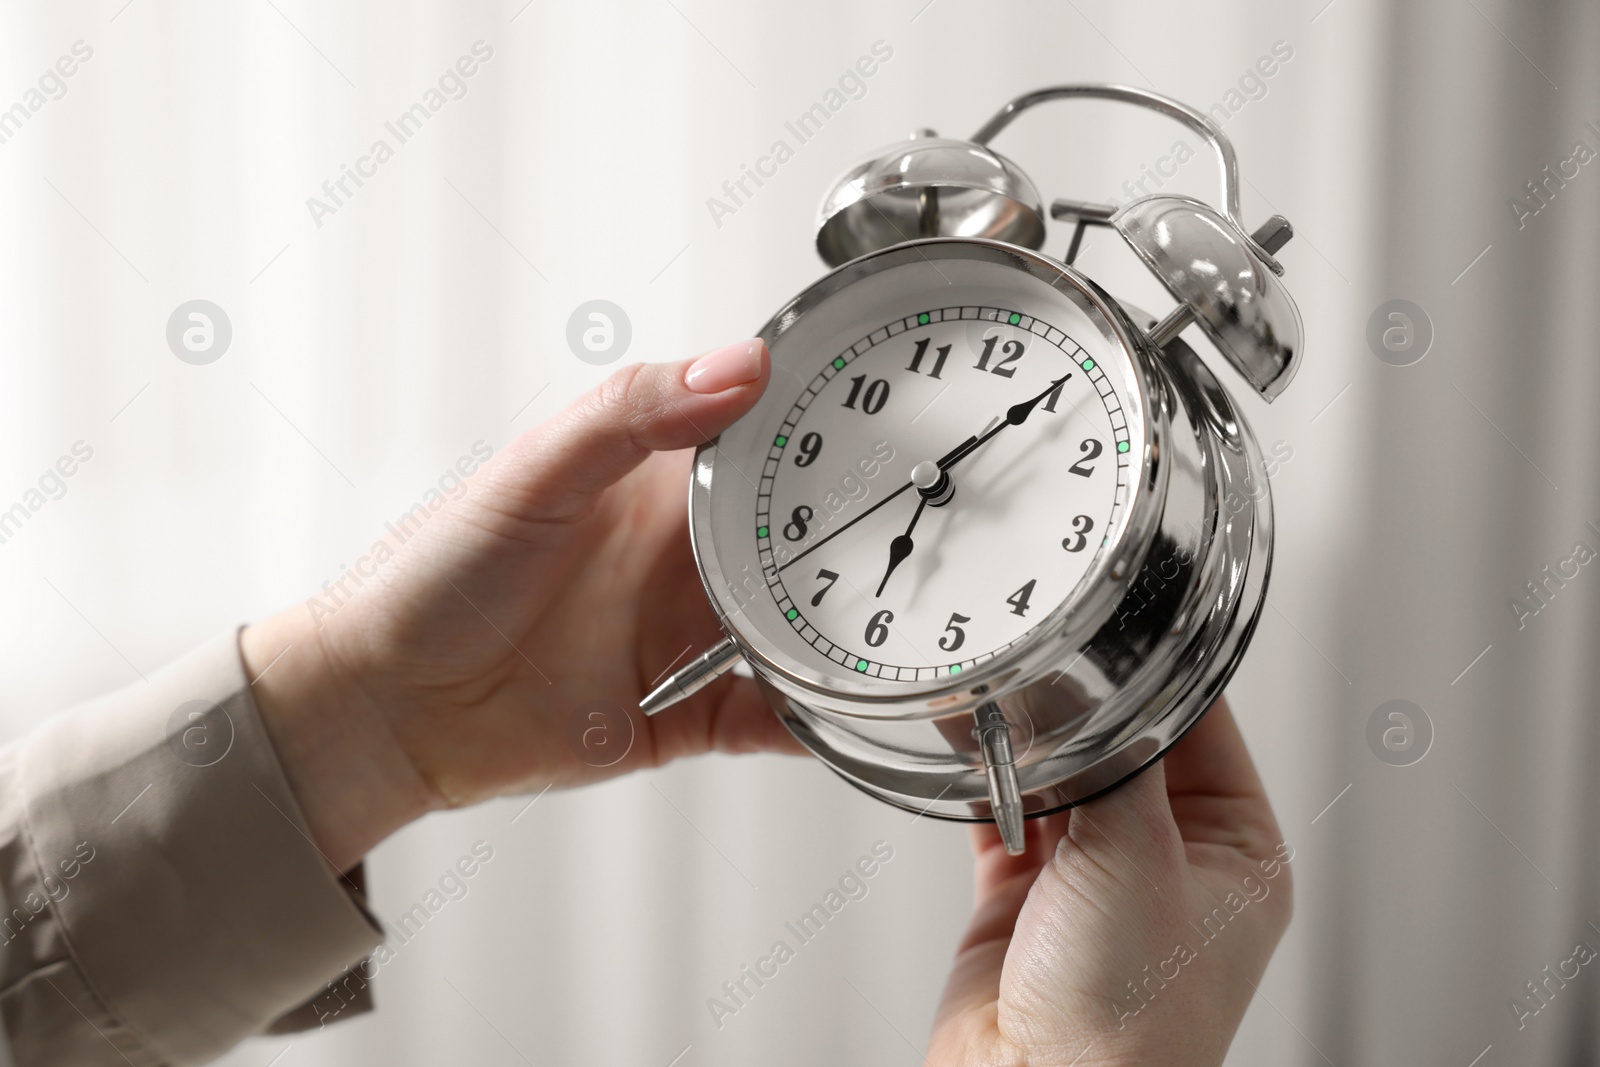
(1019, 599)
(795, 529)
(1081, 525)
(940, 355)
(1011, 351)
(877, 394)
(827, 576)
(956, 635)
(810, 449)
(1090, 448)
(1055, 395)
(820, 523)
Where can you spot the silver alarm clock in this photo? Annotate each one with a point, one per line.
(992, 541)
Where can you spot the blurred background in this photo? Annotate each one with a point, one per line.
(1435, 153)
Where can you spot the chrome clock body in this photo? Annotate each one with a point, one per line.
(1086, 674)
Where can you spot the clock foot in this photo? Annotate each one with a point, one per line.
(1005, 798)
(700, 672)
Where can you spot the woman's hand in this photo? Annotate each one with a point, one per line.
(561, 584)
(1133, 930)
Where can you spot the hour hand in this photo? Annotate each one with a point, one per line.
(899, 549)
(927, 477)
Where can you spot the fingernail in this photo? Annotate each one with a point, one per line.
(725, 367)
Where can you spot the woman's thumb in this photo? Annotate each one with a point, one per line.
(643, 408)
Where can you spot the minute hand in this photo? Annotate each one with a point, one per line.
(841, 529)
(1016, 415)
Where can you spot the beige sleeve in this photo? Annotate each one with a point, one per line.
(161, 897)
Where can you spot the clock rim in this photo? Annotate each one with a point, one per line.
(1080, 614)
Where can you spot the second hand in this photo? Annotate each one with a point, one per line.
(1016, 415)
(950, 457)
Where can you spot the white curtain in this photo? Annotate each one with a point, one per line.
(378, 336)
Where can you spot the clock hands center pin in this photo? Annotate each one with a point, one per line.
(933, 485)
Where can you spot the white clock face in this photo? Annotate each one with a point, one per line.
(930, 487)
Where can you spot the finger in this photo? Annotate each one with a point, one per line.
(1001, 886)
(1099, 896)
(1217, 796)
(1212, 760)
(554, 472)
(742, 721)
(993, 866)
(731, 716)
(1119, 847)
(1126, 840)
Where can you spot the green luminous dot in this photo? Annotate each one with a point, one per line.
(1088, 364)
(955, 668)
(780, 440)
(838, 364)
(922, 319)
(1122, 446)
(761, 531)
(861, 664)
(791, 615)
(1014, 319)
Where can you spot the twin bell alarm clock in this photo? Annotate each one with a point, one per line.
(992, 540)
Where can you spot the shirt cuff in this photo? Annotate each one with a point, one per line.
(197, 908)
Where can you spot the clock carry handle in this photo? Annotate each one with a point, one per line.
(1227, 162)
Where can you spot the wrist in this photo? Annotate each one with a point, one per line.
(353, 781)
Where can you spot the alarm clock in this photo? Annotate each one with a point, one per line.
(993, 540)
